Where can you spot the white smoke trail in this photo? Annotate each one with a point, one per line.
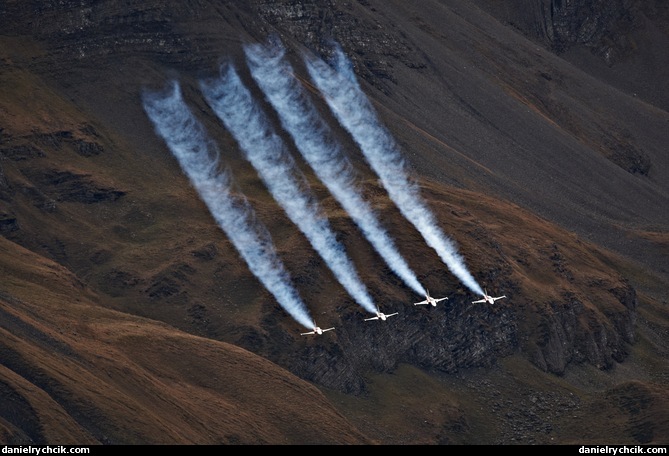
(198, 157)
(313, 138)
(356, 114)
(234, 105)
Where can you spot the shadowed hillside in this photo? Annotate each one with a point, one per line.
(75, 372)
(128, 315)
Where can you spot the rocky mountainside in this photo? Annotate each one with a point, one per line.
(536, 134)
(622, 42)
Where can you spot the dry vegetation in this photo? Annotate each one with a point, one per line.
(127, 317)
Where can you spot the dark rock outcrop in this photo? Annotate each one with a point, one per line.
(6, 191)
(8, 223)
(629, 37)
(67, 186)
(602, 26)
(569, 332)
(21, 152)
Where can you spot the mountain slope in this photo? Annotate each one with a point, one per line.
(551, 181)
(75, 372)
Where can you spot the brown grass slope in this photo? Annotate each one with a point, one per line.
(76, 373)
(117, 327)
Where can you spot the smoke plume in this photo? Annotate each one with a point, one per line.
(355, 113)
(314, 140)
(198, 157)
(235, 106)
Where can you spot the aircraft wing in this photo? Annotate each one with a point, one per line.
(480, 300)
(390, 315)
(440, 299)
(372, 318)
(495, 299)
(419, 303)
(314, 331)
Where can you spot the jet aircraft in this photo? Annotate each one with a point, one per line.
(381, 316)
(316, 330)
(429, 300)
(487, 298)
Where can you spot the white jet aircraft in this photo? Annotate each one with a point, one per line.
(429, 300)
(487, 298)
(316, 330)
(381, 316)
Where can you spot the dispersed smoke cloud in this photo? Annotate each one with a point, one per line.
(274, 75)
(356, 114)
(198, 156)
(243, 117)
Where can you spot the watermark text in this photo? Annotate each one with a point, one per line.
(42, 450)
(618, 450)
